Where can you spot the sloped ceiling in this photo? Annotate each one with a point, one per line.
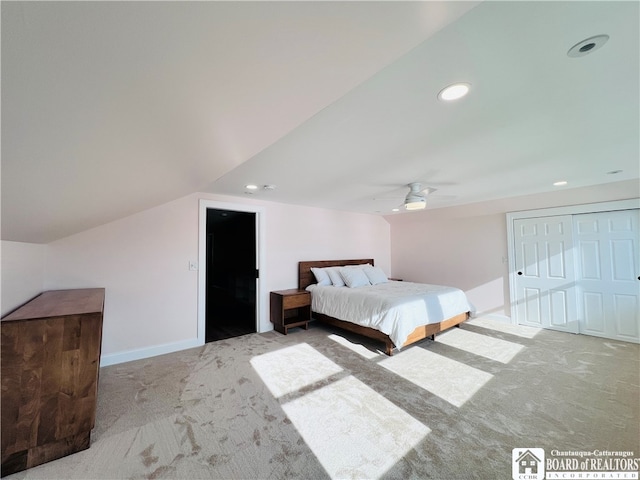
(111, 108)
(533, 116)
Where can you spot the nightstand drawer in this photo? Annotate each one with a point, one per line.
(293, 301)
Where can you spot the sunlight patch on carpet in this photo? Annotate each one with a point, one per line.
(359, 349)
(518, 330)
(450, 380)
(489, 347)
(354, 431)
(292, 368)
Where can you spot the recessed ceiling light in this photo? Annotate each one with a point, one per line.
(454, 92)
(251, 187)
(560, 183)
(587, 46)
(395, 209)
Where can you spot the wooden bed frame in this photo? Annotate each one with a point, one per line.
(306, 278)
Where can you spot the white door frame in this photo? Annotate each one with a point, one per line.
(261, 304)
(547, 212)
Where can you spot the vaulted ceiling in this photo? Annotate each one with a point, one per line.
(109, 108)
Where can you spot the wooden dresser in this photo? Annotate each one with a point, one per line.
(50, 362)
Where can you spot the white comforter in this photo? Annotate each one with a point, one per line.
(394, 308)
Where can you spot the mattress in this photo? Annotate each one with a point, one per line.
(394, 308)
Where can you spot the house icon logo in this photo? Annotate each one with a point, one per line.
(527, 463)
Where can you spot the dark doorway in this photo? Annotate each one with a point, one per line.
(230, 307)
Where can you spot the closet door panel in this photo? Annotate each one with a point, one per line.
(532, 308)
(623, 305)
(544, 281)
(607, 274)
(593, 313)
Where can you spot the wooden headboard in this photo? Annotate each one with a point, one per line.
(305, 276)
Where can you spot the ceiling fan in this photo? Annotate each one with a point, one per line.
(416, 199)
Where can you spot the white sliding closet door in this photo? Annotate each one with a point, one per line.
(545, 276)
(607, 271)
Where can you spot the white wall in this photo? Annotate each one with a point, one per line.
(466, 246)
(142, 261)
(301, 233)
(22, 276)
(151, 296)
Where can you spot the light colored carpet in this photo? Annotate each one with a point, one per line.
(326, 404)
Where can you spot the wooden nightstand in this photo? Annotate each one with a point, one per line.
(290, 308)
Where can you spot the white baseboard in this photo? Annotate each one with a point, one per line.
(140, 353)
(496, 317)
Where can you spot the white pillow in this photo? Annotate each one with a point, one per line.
(375, 275)
(354, 277)
(322, 277)
(334, 275)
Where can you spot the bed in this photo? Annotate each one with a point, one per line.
(399, 321)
